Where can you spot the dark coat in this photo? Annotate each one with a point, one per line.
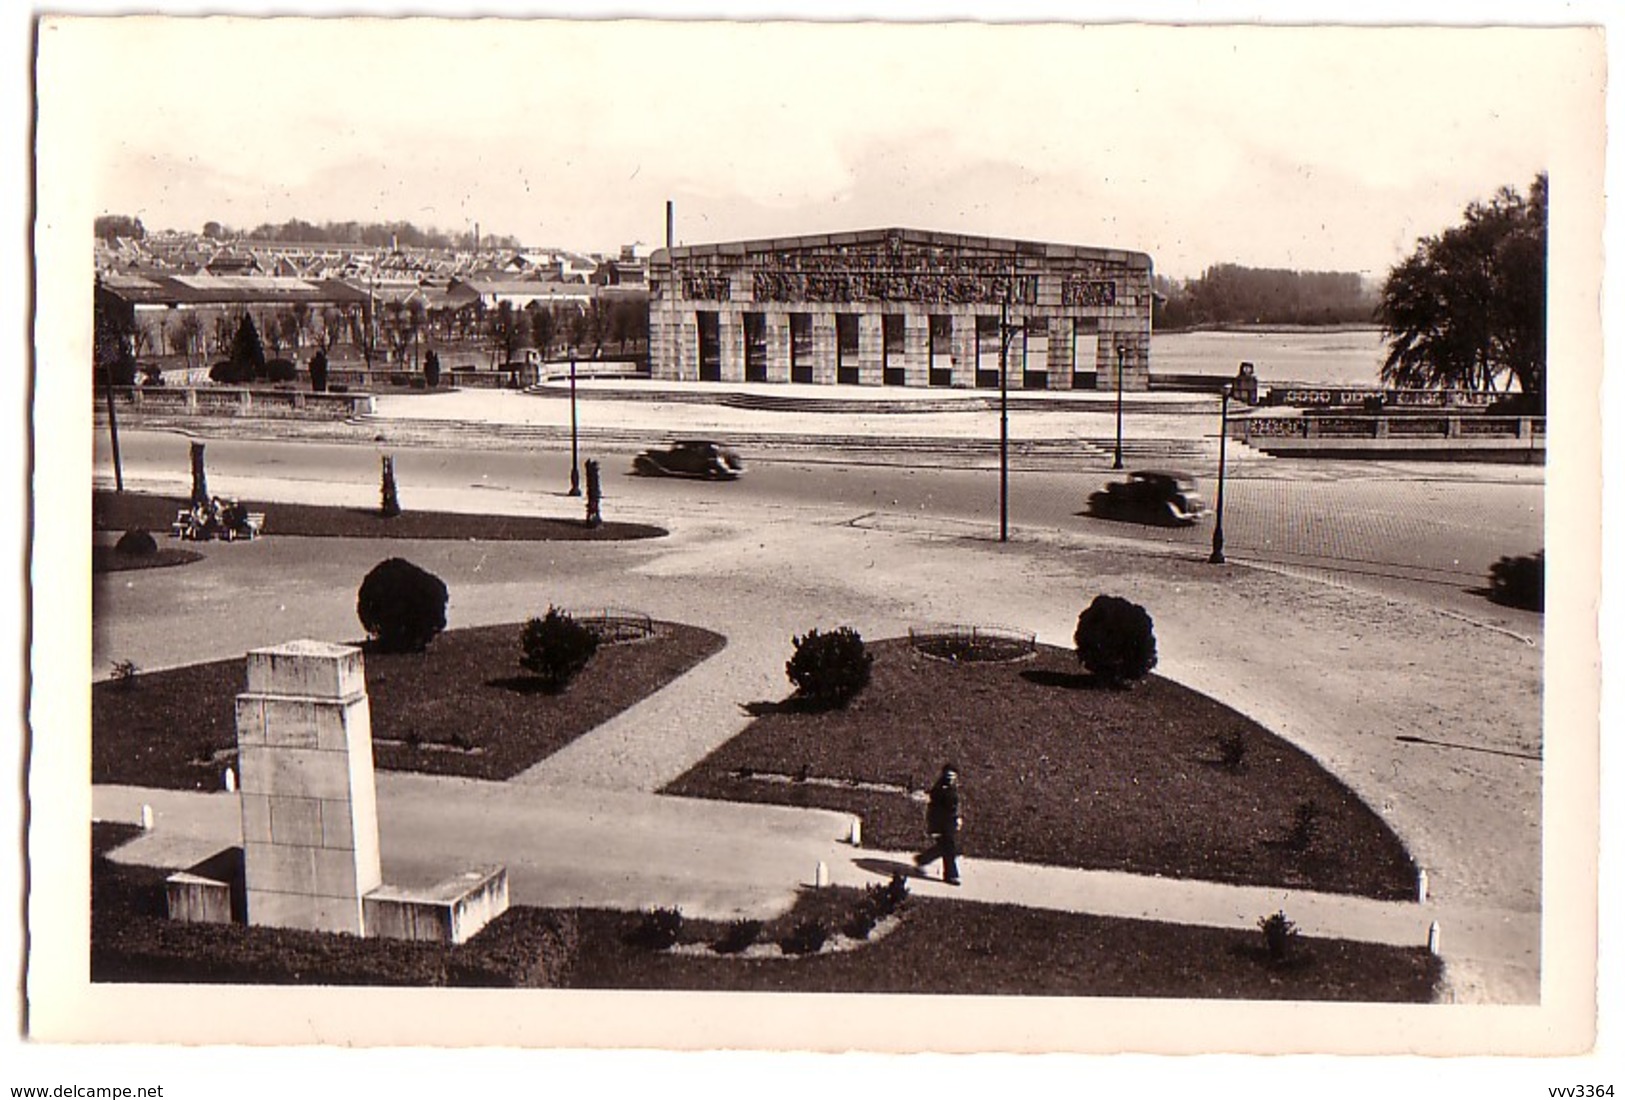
(942, 811)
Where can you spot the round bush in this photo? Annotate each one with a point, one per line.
(556, 648)
(136, 543)
(401, 606)
(1115, 640)
(281, 370)
(1520, 581)
(829, 669)
(228, 373)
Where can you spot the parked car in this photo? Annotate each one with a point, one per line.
(698, 458)
(1151, 496)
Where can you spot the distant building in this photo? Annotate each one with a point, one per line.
(901, 307)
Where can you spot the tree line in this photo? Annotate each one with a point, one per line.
(1233, 294)
(375, 235)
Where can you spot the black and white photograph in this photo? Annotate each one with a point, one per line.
(900, 537)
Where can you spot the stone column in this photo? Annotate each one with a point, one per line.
(731, 344)
(964, 345)
(309, 805)
(824, 340)
(778, 347)
(916, 349)
(871, 348)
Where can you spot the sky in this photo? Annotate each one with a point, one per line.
(1313, 148)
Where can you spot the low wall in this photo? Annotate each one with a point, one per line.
(244, 401)
(1469, 438)
(447, 912)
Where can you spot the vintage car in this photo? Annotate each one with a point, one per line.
(690, 458)
(1150, 496)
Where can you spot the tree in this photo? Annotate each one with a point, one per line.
(247, 353)
(505, 334)
(185, 334)
(544, 327)
(109, 226)
(1467, 309)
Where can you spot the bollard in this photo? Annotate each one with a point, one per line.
(231, 781)
(146, 816)
(857, 832)
(821, 875)
(1433, 938)
(1421, 885)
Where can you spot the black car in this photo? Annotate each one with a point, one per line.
(698, 458)
(1151, 496)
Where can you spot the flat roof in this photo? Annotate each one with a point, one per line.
(1035, 249)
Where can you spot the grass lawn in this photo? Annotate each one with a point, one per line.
(944, 946)
(106, 559)
(464, 707)
(1058, 770)
(125, 511)
(936, 946)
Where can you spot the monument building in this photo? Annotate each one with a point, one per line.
(901, 307)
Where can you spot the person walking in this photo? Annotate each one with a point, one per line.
(943, 822)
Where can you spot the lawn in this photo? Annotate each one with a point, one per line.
(932, 946)
(1059, 770)
(464, 707)
(126, 511)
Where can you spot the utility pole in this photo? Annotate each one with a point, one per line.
(575, 472)
(1217, 557)
(1117, 451)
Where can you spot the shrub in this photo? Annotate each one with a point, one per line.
(806, 938)
(1305, 826)
(889, 898)
(229, 373)
(829, 669)
(281, 370)
(658, 929)
(401, 606)
(556, 648)
(1115, 640)
(861, 923)
(739, 935)
(431, 369)
(1280, 936)
(1520, 581)
(125, 673)
(136, 543)
(318, 372)
(1233, 751)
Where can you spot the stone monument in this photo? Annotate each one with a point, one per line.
(309, 804)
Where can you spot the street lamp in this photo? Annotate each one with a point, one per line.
(1217, 557)
(1117, 452)
(575, 472)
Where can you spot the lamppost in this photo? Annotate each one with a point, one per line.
(575, 472)
(1004, 418)
(1007, 332)
(1217, 557)
(1117, 451)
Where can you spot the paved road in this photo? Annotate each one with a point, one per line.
(1425, 531)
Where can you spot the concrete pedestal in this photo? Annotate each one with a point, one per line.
(309, 805)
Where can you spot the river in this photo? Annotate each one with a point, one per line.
(1343, 357)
